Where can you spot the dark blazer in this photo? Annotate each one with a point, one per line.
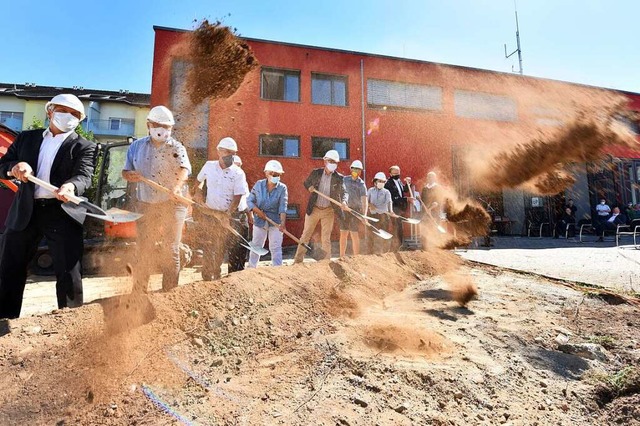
(398, 199)
(619, 220)
(74, 163)
(337, 192)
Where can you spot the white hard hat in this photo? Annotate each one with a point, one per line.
(161, 115)
(332, 155)
(357, 165)
(380, 176)
(237, 160)
(273, 166)
(431, 174)
(67, 100)
(228, 143)
(394, 167)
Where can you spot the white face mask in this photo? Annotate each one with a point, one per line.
(274, 179)
(379, 185)
(64, 121)
(159, 133)
(331, 167)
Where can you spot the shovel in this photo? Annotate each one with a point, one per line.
(79, 207)
(440, 227)
(379, 232)
(410, 220)
(317, 252)
(260, 251)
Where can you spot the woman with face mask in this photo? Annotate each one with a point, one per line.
(380, 205)
(268, 199)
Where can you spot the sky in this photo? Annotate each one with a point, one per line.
(102, 44)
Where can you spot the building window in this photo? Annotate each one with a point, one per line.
(279, 146)
(293, 211)
(393, 94)
(114, 123)
(484, 106)
(320, 146)
(328, 89)
(12, 120)
(280, 85)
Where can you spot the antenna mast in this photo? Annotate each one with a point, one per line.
(518, 50)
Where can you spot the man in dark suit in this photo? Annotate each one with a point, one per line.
(399, 200)
(610, 224)
(320, 210)
(59, 156)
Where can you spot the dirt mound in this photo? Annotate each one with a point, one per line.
(407, 339)
(111, 353)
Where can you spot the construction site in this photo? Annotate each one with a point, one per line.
(471, 326)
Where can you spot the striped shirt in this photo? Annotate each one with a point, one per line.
(325, 188)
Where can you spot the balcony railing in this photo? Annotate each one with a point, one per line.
(118, 127)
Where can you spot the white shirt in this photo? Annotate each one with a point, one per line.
(242, 206)
(222, 184)
(48, 151)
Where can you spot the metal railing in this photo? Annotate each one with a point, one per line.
(117, 127)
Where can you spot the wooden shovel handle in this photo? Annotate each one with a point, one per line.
(337, 203)
(285, 232)
(161, 188)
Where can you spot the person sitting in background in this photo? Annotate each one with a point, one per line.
(631, 213)
(610, 224)
(571, 206)
(561, 226)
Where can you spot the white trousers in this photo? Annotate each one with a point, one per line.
(275, 245)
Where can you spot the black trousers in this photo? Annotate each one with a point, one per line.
(65, 239)
(398, 228)
(236, 253)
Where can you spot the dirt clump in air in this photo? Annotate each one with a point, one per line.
(219, 61)
(543, 165)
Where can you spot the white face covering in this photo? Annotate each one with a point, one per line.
(331, 167)
(379, 185)
(159, 133)
(64, 121)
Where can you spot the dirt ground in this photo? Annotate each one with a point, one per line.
(362, 341)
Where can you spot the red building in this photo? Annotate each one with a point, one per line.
(422, 116)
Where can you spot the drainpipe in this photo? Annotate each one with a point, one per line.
(364, 145)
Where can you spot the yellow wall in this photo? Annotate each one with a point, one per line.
(141, 122)
(33, 109)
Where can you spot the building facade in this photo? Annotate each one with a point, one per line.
(111, 115)
(384, 111)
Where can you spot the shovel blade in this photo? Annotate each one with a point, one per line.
(75, 211)
(116, 216)
(382, 234)
(260, 251)
(412, 221)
